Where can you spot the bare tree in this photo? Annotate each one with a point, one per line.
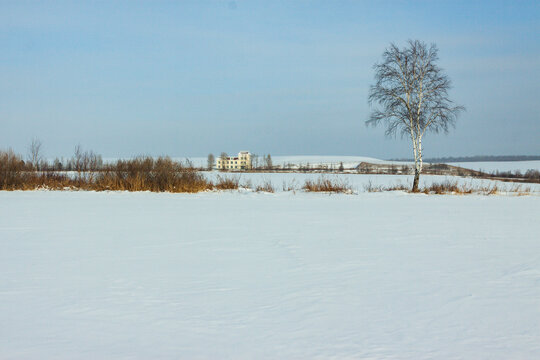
(223, 157)
(35, 156)
(211, 161)
(58, 165)
(86, 163)
(78, 157)
(254, 161)
(412, 92)
(268, 162)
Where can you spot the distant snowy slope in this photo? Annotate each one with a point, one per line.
(490, 166)
(314, 160)
(353, 161)
(348, 161)
(300, 160)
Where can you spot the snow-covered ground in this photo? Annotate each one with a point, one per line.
(240, 275)
(360, 182)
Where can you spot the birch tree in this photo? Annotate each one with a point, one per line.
(410, 96)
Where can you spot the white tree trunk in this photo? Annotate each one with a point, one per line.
(417, 160)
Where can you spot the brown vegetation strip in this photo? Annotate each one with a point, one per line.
(453, 188)
(165, 175)
(323, 184)
(140, 174)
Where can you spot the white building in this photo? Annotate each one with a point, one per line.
(240, 162)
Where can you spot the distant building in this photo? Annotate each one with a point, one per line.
(240, 162)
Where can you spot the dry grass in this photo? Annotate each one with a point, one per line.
(369, 187)
(453, 188)
(323, 184)
(266, 186)
(227, 183)
(291, 186)
(148, 174)
(15, 174)
(446, 187)
(521, 190)
(140, 174)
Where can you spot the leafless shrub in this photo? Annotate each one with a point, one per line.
(442, 188)
(248, 184)
(520, 190)
(266, 186)
(397, 187)
(452, 187)
(148, 174)
(323, 184)
(492, 190)
(369, 187)
(532, 174)
(292, 186)
(12, 170)
(227, 183)
(15, 174)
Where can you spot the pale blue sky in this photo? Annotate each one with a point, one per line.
(281, 77)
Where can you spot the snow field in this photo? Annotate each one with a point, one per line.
(236, 275)
(360, 182)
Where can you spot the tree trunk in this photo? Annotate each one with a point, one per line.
(416, 179)
(417, 150)
(417, 162)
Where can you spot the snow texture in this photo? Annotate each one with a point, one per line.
(239, 275)
(359, 182)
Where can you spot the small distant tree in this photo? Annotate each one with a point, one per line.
(77, 160)
(254, 161)
(223, 157)
(341, 166)
(268, 162)
(412, 92)
(35, 156)
(211, 161)
(57, 165)
(85, 163)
